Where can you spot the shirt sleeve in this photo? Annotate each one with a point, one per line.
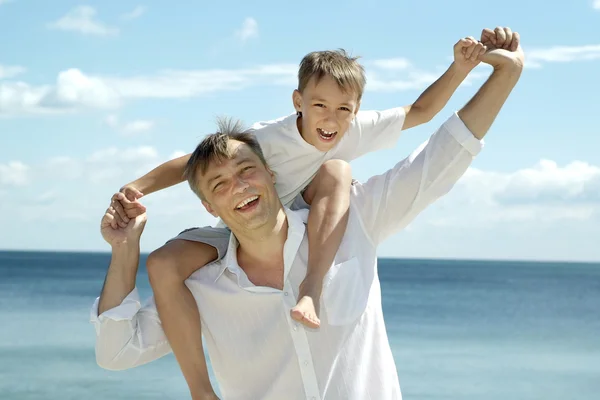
(388, 202)
(371, 131)
(128, 335)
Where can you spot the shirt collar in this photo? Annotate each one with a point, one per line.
(296, 220)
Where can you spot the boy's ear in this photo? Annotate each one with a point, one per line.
(357, 108)
(297, 100)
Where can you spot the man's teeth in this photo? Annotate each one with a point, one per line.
(248, 200)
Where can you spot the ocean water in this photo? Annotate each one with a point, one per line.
(458, 329)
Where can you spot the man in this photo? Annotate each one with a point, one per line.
(257, 350)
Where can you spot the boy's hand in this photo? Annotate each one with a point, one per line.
(467, 53)
(504, 49)
(131, 192)
(125, 209)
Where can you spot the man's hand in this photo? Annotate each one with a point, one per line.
(504, 48)
(115, 233)
(467, 53)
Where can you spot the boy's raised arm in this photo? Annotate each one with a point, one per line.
(467, 52)
(165, 175)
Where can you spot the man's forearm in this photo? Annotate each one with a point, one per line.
(120, 278)
(435, 97)
(481, 111)
(165, 175)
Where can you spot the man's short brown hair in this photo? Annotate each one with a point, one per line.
(215, 147)
(337, 64)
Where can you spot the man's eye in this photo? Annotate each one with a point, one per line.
(218, 185)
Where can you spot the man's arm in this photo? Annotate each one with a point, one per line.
(127, 335)
(506, 57)
(389, 202)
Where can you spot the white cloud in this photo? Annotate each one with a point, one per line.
(596, 4)
(15, 173)
(177, 154)
(249, 30)
(113, 155)
(536, 58)
(5, 1)
(392, 63)
(544, 193)
(82, 19)
(129, 128)
(74, 90)
(10, 71)
(134, 14)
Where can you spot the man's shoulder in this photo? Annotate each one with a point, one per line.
(209, 273)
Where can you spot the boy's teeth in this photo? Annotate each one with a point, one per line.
(326, 133)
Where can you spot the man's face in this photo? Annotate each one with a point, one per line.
(240, 190)
(327, 112)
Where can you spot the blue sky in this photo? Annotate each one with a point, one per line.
(93, 94)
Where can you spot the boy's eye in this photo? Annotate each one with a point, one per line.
(247, 168)
(218, 185)
(319, 105)
(345, 109)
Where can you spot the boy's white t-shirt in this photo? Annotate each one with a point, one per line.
(295, 162)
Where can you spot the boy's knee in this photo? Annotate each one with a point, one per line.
(161, 265)
(337, 170)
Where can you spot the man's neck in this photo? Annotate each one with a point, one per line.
(264, 249)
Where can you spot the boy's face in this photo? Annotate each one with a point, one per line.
(327, 112)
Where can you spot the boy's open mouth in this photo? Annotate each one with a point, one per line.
(326, 135)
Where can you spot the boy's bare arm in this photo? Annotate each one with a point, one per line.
(467, 52)
(165, 175)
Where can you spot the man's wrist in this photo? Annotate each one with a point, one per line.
(509, 71)
(128, 247)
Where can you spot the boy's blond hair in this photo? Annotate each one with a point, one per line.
(337, 64)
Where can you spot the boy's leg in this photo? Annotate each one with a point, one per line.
(168, 268)
(329, 197)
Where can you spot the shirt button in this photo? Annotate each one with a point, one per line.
(305, 362)
(295, 327)
(285, 293)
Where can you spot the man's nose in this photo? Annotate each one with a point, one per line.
(240, 185)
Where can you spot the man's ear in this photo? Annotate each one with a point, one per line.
(212, 212)
(273, 179)
(297, 100)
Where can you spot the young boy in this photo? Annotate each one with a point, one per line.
(308, 151)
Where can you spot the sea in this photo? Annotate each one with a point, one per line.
(459, 330)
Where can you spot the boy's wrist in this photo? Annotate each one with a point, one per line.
(461, 71)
